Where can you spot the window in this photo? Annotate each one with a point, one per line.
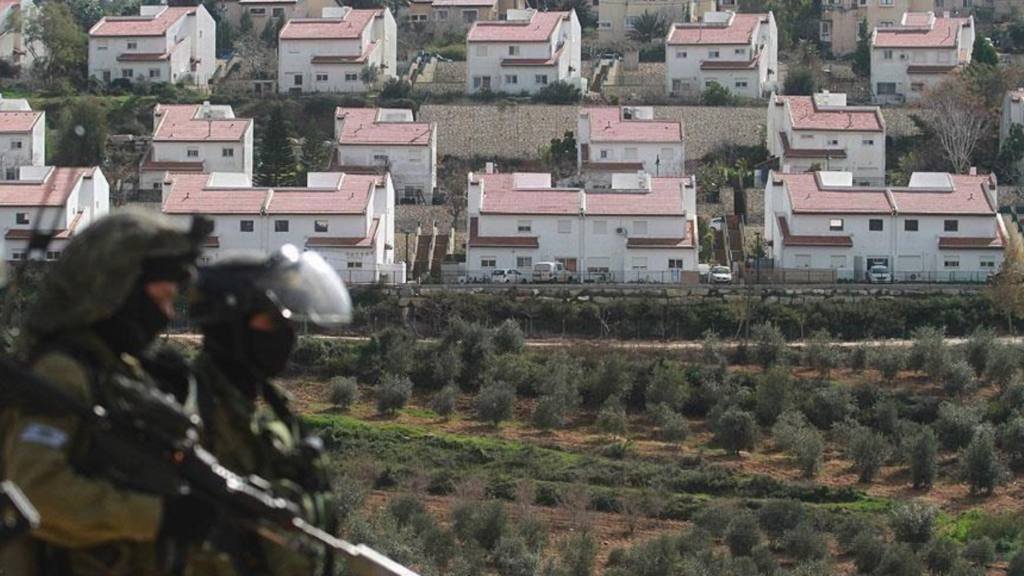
(524, 262)
(441, 14)
(15, 144)
(541, 79)
(833, 142)
(885, 2)
(380, 158)
(53, 255)
(713, 53)
(258, 11)
(154, 72)
(351, 76)
(320, 226)
(675, 263)
(133, 45)
(740, 51)
(884, 88)
(639, 263)
(677, 85)
(488, 262)
(524, 226)
(321, 77)
(987, 263)
(951, 262)
(192, 153)
(469, 16)
(951, 225)
(11, 174)
(741, 83)
(481, 50)
(835, 225)
(227, 152)
(604, 24)
(680, 54)
(807, 136)
(298, 80)
(600, 226)
(353, 264)
(640, 227)
(565, 226)
(875, 224)
(277, 12)
(910, 225)
(21, 218)
(604, 154)
(17, 255)
(245, 225)
(867, 142)
(102, 45)
(129, 73)
(511, 79)
(513, 50)
(887, 54)
(280, 225)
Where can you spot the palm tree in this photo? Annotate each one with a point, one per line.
(648, 27)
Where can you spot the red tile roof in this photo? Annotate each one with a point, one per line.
(190, 194)
(538, 28)
(740, 30)
(664, 199)
(178, 123)
(792, 240)
(348, 28)
(807, 195)
(53, 191)
(18, 122)
(968, 197)
(140, 25)
(607, 125)
(458, 3)
(601, 166)
(965, 243)
(945, 33)
(362, 127)
(501, 195)
(477, 241)
(807, 115)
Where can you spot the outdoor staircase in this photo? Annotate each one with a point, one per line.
(430, 251)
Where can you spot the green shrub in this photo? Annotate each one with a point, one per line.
(454, 52)
(714, 518)
(764, 560)
(959, 378)
(923, 458)
(1016, 566)
(508, 338)
(742, 534)
(805, 542)
(613, 379)
(955, 425)
(773, 395)
(858, 358)
(559, 92)
(717, 95)
(978, 348)
(888, 361)
(389, 351)
(913, 522)
(867, 549)
(484, 523)
(404, 507)
(769, 345)
(674, 427)
(1012, 441)
(736, 430)
(777, 517)
(808, 452)
(477, 351)
(941, 555)
(929, 352)
(981, 467)
(392, 394)
(577, 555)
(519, 371)
(899, 560)
(868, 450)
(980, 552)
(821, 355)
(711, 351)
(443, 402)
(342, 392)
(494, 403)
(788, 429)
(611, 419)
(513, 558)
(667, 386)
(828, 404)
(1001, 365)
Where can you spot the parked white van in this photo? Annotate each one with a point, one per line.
(551, 272)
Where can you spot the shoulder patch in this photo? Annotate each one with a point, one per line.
(49, 436)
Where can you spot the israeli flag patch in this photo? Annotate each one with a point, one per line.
(46, 435)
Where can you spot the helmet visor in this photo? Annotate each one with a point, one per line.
(305, 287)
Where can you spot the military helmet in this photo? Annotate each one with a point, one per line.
(100, 266)
(299, 286)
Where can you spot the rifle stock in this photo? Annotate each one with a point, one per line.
(151, 445)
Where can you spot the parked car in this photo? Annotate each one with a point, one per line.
(551, 272)
(879, 274)
(720, 275)
(717, 223)
(509, 276)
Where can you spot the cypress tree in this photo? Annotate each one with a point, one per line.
(277, 165)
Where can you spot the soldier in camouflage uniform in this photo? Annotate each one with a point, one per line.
(246, 307)
(109, 296)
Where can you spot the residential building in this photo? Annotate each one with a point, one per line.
(15, 16)
(22, 137)
(615, 18)
(56, 199)
(196, 138)
(261, 12)
(941, 227)
(642, 229)
(908, 59)
(821, 132)
(346, 50)
(1013, 114)
(740, 52)
(524, 53)
(388, 140)
(347, 218)
(459, 14)
(841, 19)
(627, 139)
(162, 44)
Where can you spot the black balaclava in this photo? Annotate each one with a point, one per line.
(140, 320)
(248, 355)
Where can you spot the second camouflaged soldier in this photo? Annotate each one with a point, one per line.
(247, 307)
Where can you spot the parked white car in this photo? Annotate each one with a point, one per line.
(551, 272)
(879, 275)
(508, 276)
(720, 275)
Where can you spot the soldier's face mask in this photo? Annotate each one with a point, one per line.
(271, 340)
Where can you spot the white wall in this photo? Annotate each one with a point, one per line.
(687, 69)
(484, 60)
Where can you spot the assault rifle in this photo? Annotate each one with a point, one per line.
(148, 443)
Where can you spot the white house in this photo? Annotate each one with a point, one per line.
(330, 54)
(196, 138)
(347, 218)
(15, 16)
(61, 200)
(22, 137)
(627, 139)
(162, 44)
(908, 59)
(822, 132)
(740, 52)
(641, 229)
(388, 140)
(524, 53)
(941, 227)
(1013, 114)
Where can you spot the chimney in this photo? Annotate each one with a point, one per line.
(786, 169)
(973, 171)
(489, 168)
(206, 109)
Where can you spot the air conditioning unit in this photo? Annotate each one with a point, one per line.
(622, 231)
